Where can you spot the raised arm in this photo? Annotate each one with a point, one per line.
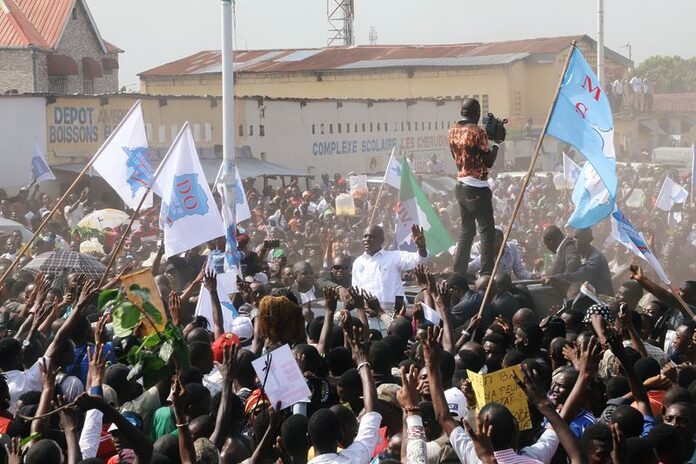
(587, 357)
(265, 446)
(224, 417)
(532, 386)
(442, 293)
(432, 350)
(210, 283)
(70, 423)
(408, 398)
(360, 350)
(626, 321)
(187, 452)
(330, 303)
(133, 437)
(87, 292)
(48, 382)
(657, 290)
(640, 394)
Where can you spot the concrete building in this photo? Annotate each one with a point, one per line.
(54, 46)
(514, 79)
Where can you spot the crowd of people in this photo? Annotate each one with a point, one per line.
(607, 373)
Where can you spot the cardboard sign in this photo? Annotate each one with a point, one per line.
(144, 279)
(500, 387)
(283, 378)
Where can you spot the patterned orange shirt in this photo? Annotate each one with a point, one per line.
(460, 138)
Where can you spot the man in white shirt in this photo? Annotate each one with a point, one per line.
(76, 210)
(379, 271)
(435, 166)
(636, 84)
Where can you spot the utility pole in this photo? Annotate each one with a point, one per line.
(229, 178)
(600, 41)
(629, 47)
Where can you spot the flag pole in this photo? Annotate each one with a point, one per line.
(526, 180)
(229, 180)
(136, 213)
(381, 188)
(60, 201)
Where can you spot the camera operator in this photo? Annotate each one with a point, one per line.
(474, 157)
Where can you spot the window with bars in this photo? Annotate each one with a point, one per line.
(485, 105)
(57, 85)
(88, 87)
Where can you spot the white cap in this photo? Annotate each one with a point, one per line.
(456, 402)
(242, 328)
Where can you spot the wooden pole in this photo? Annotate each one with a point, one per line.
(60, 201)
(379, 193)
(525, 181)
(374, 209)
(125, 234)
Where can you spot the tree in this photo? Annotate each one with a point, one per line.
(671, 74)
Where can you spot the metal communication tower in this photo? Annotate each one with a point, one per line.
(341, 14)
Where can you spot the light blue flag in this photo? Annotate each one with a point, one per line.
(582, 118)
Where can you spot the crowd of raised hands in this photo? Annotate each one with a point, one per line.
(597, 388)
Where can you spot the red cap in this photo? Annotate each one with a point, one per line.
(226, 339)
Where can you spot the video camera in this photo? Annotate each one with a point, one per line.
(495, 128)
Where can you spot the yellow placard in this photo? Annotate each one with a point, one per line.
(500, 387)
(145, 279)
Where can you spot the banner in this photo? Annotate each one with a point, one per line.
(415, 208)
(624, 233)
(392, 175)
(40, 171)
(571, 172)
(189, 215)
(670, 194)
(500, 387)
(582, 118)
(226, 286)
(123, 162)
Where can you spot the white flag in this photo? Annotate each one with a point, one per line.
(392, 175)
(670, 194)
(226, 285)
(123, 161)
(189, 215)
(40, 171)
(243, 212)
(624, 233)
(571, 171)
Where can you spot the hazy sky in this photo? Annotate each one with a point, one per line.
(153, 32)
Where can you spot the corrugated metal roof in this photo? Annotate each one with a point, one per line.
(368, 56)
(40, 23)
(493, 60)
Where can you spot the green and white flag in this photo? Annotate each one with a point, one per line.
(415, 208)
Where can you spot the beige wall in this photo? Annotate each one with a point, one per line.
(16, 71)
(77, 126)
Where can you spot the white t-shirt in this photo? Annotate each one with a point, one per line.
(636, 84)
(75, 216)
(617, 87)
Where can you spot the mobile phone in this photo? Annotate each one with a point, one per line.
(398, 303)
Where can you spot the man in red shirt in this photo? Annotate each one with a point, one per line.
(474, 157)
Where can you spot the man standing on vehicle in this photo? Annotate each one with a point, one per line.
(474, 157)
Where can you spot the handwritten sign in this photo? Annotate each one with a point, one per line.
(284, 380)
(500, 387)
